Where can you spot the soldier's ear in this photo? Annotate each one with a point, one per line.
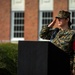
(68, 19)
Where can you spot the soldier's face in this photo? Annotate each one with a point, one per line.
(62, 22)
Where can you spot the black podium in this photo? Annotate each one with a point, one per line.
(42, 58)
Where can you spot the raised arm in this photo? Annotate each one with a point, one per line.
(52, 23)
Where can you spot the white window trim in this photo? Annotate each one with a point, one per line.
(40, 26)
(12, 28)
(73, 25)
(46, 5)
(17, 5)
(16, 39)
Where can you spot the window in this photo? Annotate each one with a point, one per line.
(45, 17)
(72, 11)
(45, 13)
(72, 19)
(17, 25)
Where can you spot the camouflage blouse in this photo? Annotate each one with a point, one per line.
(64, 40)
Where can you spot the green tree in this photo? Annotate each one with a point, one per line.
(9, 57)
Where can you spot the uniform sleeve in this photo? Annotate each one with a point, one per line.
(46, 32)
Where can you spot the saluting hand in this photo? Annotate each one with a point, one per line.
(52, 23)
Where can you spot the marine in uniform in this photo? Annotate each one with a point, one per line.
(63, 38)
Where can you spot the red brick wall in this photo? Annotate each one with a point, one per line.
(60, 5)
(4, 20)
(31, 20)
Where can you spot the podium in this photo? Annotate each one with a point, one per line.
(42, 58)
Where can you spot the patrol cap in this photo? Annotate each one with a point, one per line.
(63, 14)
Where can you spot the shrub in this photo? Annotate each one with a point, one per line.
(9, 57)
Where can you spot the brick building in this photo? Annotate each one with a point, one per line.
(23, 19)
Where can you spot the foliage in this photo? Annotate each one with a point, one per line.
(9, 57)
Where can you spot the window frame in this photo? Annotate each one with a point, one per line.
(72, 19)
(12, 27)
(40, 20)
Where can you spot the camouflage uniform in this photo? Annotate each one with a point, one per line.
(63, 40)
(46, 32)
